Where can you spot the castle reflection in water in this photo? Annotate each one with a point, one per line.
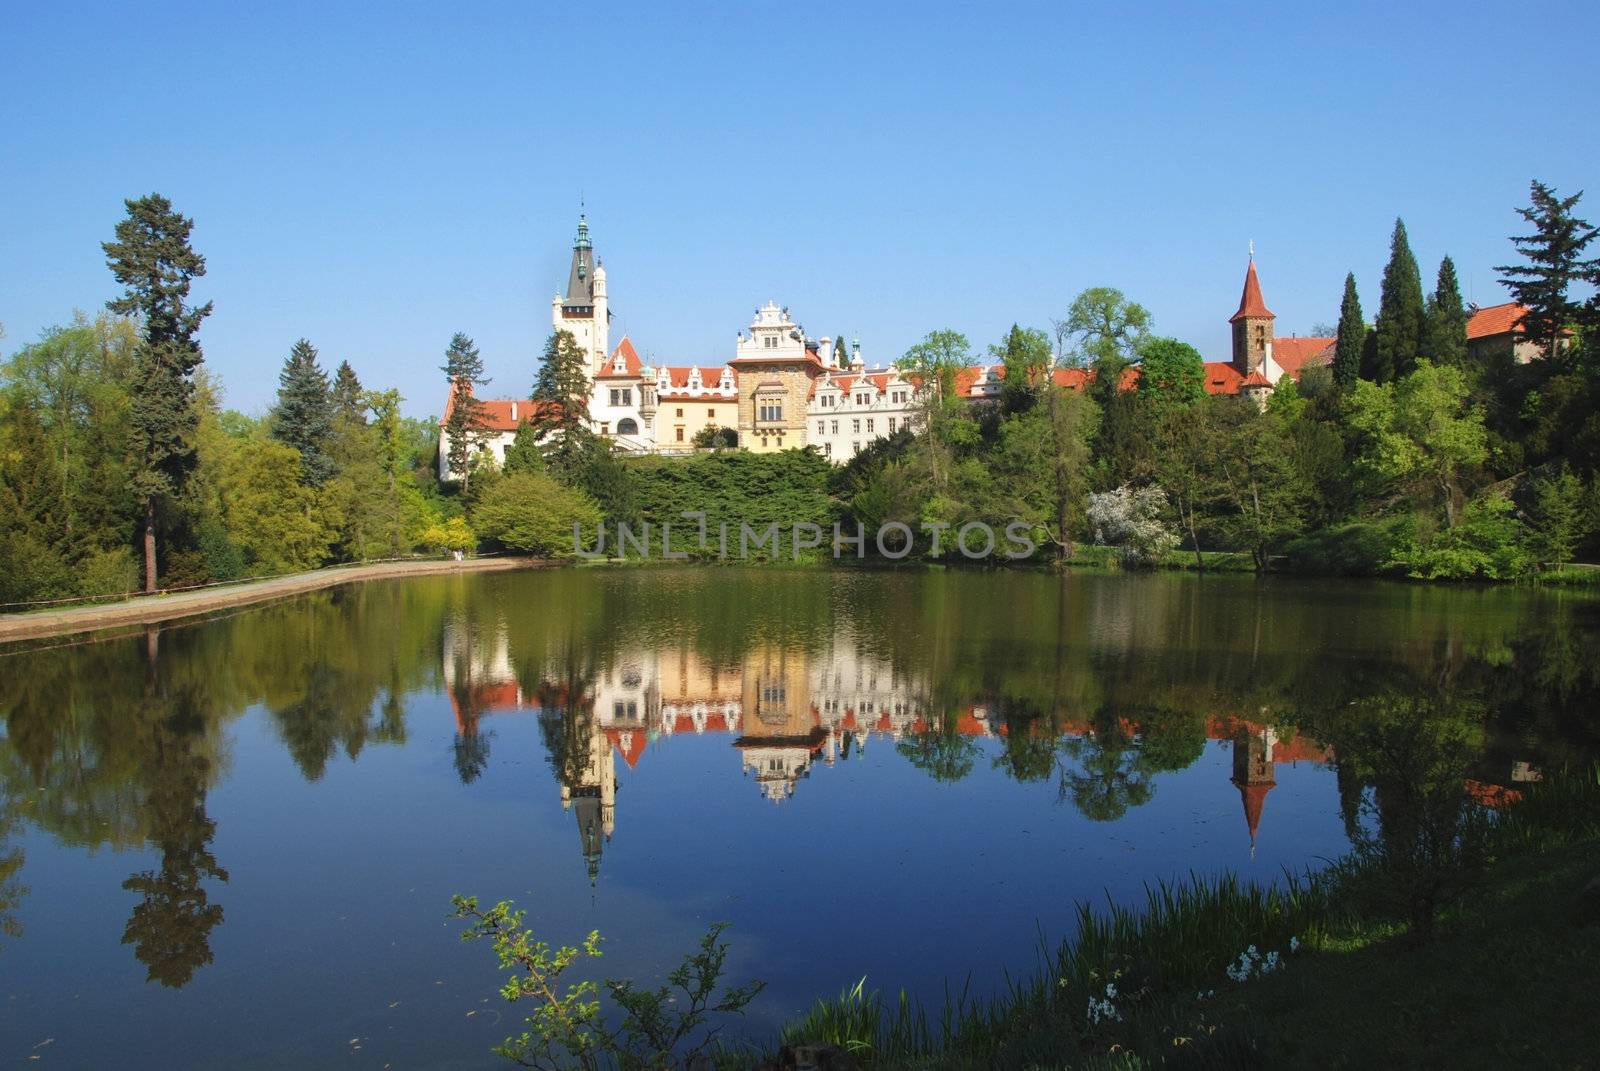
(786, 710)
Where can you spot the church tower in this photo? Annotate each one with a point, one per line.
(584, 309)
(1252, 325)
(1253, 774)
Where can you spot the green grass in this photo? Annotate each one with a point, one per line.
(1507, 980)
(1569, 576)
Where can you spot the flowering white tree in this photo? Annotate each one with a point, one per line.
(1129, 518)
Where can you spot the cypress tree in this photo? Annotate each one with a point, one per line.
(1447, 319)
(1556, 253)
(465, 425)
(1401, 324)
(303, 417)
(841, 352)
(151, 257)
(1352, 336)
(347, 395)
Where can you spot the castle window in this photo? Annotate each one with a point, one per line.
(822, 427)
(710, 413)
(855, 426)
(680, 411)
(680, 432)
(891, 425)
(770, 411)
(835, 427)
(627, 426)
(869, 425)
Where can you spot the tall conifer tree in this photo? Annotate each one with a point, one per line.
(151, 257)
(560, 418)
(464, 427)
(1555, 251)
(1447, 319)
(348, 397)
(1352, 336)
(1401, 322)
(303, 417)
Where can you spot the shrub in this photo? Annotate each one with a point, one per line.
(659, 1028)
(1487, 544)
(1361, 548)
(108, 572)
(1129, 518)
(529, 511)
(453, 534)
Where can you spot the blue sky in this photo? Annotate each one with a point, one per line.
(375, 180)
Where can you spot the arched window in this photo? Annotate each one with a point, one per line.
(627, 426)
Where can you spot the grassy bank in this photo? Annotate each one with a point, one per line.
(1333, 979)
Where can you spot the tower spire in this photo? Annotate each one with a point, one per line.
(1251, 303)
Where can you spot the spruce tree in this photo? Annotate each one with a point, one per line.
(151, 257)
(1352, 336)
(1555, 251)
(348, 397)
(562, 384)
(464, 427)
(1401, 324)
(841, 352)
(1447, 319)
(303, 417)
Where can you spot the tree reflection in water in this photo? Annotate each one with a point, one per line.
(1104, 685)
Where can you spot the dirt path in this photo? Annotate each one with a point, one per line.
(153, 608)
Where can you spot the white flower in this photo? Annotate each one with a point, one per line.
(1294, 944)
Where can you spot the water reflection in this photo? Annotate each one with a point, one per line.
(1419, 704)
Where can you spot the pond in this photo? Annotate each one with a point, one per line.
(233, 842)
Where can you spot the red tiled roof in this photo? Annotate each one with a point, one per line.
(623, 362)
(1250, 301)
(1255, 798)
(1222, 378)
(1071, 378)
(1293, 354)
(1495, 320)
(500, 414)
(1255, 379)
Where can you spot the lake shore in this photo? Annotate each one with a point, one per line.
(152, 609)
(1321, 973)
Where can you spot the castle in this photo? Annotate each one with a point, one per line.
(782, 390)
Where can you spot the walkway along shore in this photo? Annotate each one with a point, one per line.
(149, 609)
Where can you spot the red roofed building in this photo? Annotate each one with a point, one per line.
(1495, 331)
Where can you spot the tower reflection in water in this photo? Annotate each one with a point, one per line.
(785, 710)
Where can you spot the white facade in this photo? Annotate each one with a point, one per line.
(851, 407)
(773, 336)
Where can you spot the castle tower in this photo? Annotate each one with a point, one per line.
(1252, 325)
(584, 309)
